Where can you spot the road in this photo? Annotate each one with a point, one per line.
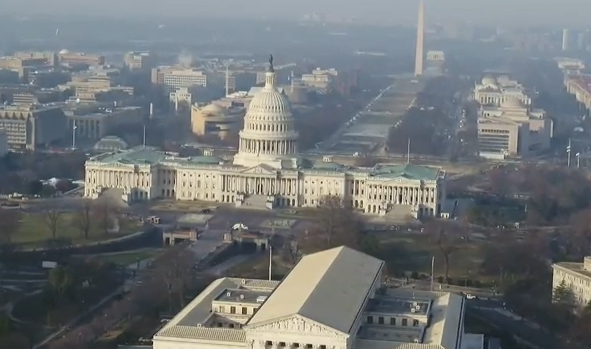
(210, 239)
(492, 312)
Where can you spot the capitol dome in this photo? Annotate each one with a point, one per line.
(269, 135)
(489, 80)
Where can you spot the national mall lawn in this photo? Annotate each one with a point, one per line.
(34, 230)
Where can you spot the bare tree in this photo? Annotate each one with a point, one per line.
(176, 268)
(335, 224)
(52, 220)
(9, 225)
(446, 237)
(103, 212)
(83, 220)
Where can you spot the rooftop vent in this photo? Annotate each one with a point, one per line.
(327, 158)
(241, 296)
(208, 152)
(261, 299)
(228, 294)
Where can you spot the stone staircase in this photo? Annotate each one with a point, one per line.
(255, 201)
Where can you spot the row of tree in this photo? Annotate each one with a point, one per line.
(92, 215)
(161, 287)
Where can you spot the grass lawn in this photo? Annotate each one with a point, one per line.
(128, 258)
(34, 230)
(258, 268)
(413, 252)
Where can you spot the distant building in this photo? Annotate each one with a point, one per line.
(139, 61)
(31, 126)
(98, 124)
(513, 129)
(493, 91)
(216, 120)
(173, 78)
(577, 277)
(68, 58)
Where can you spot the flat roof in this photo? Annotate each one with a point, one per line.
(394, 305)
(237, 295)
(574, 267)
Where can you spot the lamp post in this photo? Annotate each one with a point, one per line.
(74, 127)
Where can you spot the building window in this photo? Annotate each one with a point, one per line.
(231, 325)
(296, 345)
(404, 322)
(222, 309)
(381, 320)
(308, 346)
(322, 346)
(220, 324)
(370, 319)
(281, 344)
(232, 310)
(244, 311)
(415, 323)
(393, 321)
(268, 343)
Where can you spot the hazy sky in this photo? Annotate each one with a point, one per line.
(561, 12)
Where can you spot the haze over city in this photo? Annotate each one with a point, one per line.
(377, 174)
(520, 13)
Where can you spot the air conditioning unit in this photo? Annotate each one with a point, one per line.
(228, 294)
(243, 281)
(241, 296)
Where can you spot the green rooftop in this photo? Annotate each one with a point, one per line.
(152, 156)
(413, 172)
(133, 156)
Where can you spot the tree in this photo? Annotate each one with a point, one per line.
(447, 239)
(9, 225)
(103, 214)
(14, 340)
(176, 268)
(83, 219)
(52, 220)
(563, 295)
(60, 281)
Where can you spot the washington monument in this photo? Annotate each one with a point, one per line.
(419, 56)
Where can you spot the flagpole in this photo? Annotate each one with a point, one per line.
(432, 271)
(568, 151)
(270, 263)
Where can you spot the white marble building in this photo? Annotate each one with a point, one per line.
(576, 276)
(331, 300)
(495, 91)
(267, 171)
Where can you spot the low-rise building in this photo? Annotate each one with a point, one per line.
(513, 129)
(577, 277)
(216, 120)
(31, 126)
(332, 299)
(96, 125)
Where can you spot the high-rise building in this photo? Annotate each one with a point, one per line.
(420, 40)
(565, 39)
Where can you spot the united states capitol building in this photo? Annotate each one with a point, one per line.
(267, 171)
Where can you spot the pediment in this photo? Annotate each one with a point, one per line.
(260, 170)
(296, 324)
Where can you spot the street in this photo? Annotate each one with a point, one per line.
(493, 313)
